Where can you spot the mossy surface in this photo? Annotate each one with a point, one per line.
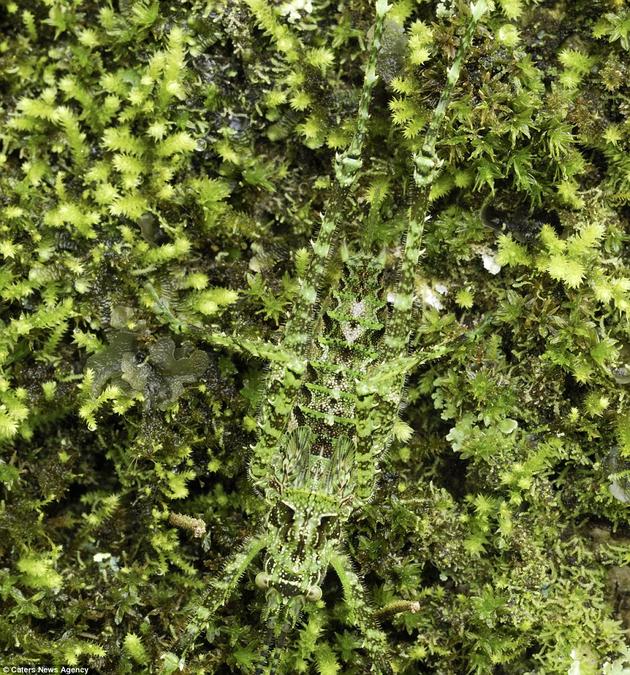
(163, 165)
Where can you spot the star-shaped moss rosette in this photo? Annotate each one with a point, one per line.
(159, 374)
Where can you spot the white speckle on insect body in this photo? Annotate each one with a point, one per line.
(351, 333)
(358, 308)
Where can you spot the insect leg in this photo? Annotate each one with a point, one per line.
(219, 593)
(346, 165)
(426, 170)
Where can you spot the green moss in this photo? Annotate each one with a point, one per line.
(163, 167)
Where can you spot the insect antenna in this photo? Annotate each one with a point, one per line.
(217, 594)
(194, 628)
(275, 642)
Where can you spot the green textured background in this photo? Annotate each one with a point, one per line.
(161, 163)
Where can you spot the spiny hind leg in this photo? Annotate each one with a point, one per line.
(427, 166)
(218, 594)
(426, 170)
(374, 640)
(347, 167)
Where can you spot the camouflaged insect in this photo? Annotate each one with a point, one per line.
(332, 398)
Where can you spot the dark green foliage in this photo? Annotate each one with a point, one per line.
(163, 166)
(159, 375)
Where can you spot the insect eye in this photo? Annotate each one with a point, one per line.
(314, 594)
(262, 580)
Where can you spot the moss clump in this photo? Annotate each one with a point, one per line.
(163, 166)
